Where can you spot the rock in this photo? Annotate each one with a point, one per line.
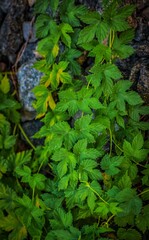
(30, 128)
(28, 78)
(2, 15)
(96, 4)
(142, 49)
(139, 76)
(141, 31)
(145, 13)
(29, 32)
(5, 5)
(28, 54)
(31, 2)
(11, 36)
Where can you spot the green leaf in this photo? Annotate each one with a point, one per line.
(142, 221)
(41, 7)
(87, 34)
(60, 128)
(5, 85)
(71, 55)
(29, 211)
(145, 178)
(19, 159)
(117, 17)
(137, 153)
(128, 150)
(7, 197)
(42, 25)
(90, 17)
(129, 202)
(58, 75)
(42, 95)
(138, 141)
(46, 47)
(86, 191)
(112, 71)
(101, 51)
(63, 183)
(136, 111)
(7, 103)
(127, 36)
(102, 209)
(125, 220)
(54, 4)
(88, 166)
(86, 129)
(125, 181)
(81, 151)
(129, 234)
(114, 209)
(121, 50)
(58, 234)
(66, 28)
(70, 13)
(37, 181)
(12, 223)
(24, 172)
(62, 168)
(102, 31)
(63, 219)
(110, 165)
(120, 121)
(66, 159)
(91, 201)
(133, 98)
(3, 166)
(9, 142)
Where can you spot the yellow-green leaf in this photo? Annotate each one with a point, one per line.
(55, 50)
(51, 101)
(5, 85)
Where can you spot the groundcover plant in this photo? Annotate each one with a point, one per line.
(90, 178)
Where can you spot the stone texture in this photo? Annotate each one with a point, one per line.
(30, 128)
(29, 32)
(28, 54)
(11, 36)
(28, 78)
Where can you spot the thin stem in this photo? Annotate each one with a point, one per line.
(109, 219)
(102, 61)
(145, 191)
(110, 141)
(118, 146)
(88, 84)
(138, 164)
(33, 194)
(112, 35)
(26, 137)
(88, 185)
(14, 130)
(110, 38)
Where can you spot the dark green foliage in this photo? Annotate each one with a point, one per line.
(90, 179)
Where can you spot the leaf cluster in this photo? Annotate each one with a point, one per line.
(90, 178)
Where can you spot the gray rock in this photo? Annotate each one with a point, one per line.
(142, 49)
(29, 32)
(11, 36)
(5, 5)
(96, 4)
(28, 78)
(28, 54)
(30, 128)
